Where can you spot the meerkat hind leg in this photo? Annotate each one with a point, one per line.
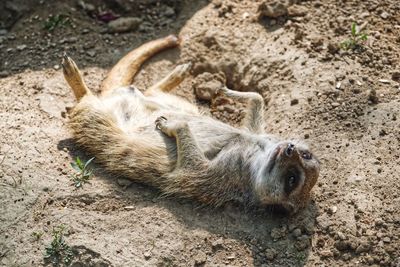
(254, 118)
(74, 78)
(169, 82)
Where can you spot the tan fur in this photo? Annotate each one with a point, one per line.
(124, 71)
(163, 140)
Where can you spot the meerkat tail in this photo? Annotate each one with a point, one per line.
(74, 78)
(123, 72)
(173, 79)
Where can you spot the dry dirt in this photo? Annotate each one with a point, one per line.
(346, 104)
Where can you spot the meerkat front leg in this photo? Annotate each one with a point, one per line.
(254, 118)
(74, 78)
(189, 153)
(169, 82)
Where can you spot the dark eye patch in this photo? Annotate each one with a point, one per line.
(291, 179)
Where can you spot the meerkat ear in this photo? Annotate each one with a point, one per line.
(74, 78)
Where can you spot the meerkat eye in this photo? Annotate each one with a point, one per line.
(306, 155)
(291, 180)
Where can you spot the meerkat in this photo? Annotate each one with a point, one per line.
(162, 140)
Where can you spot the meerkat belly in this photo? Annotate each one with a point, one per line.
(136, 118)
(211, 135)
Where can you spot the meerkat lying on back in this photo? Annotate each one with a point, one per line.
(163, 140)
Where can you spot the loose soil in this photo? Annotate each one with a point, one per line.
(345, 104)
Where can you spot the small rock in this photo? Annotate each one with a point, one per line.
(125, 24)
(91, 53)
(384, 15)
(86, 6)
(346, 256)
(147, 255)
(50, 105)
(21, 47)
(56, 67)
(335, 104)
(396, 76)
(333, 48)
(326, 254)
(169, 12)
(363, 247)
(373, 97)
(272, 10)
(338, 85)
(384, 81)
(365, 15)
(200, 258)
(379, 221)
(386, 239)
(297, 11)
(270, 254)
(231, 257)
(297, 232)
(217, 244)
(129, 207)
(4, 74)
(332, 209)
(341, 236)
(206, 85)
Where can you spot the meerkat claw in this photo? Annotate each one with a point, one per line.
(159, 122)
(69, 67)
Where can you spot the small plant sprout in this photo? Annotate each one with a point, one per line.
(37, 235)
(52, 22)
(83, 172)
(357, 39)
(58, 252)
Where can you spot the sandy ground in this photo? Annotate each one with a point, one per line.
(345, 104)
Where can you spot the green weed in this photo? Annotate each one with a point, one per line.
(83, 172)
(58, 252)
(356, 41)
(60, 20)
(37, 235)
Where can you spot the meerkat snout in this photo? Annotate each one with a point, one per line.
(289, 150)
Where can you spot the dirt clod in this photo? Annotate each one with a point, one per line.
(121, 25)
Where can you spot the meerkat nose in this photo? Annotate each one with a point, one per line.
(289, 150)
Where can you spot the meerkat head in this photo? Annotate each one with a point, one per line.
(288, 176)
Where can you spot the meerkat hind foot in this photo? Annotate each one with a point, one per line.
(73, 77)
(173, 79)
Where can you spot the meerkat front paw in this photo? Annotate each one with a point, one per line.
(163, 125)
(167, 127)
